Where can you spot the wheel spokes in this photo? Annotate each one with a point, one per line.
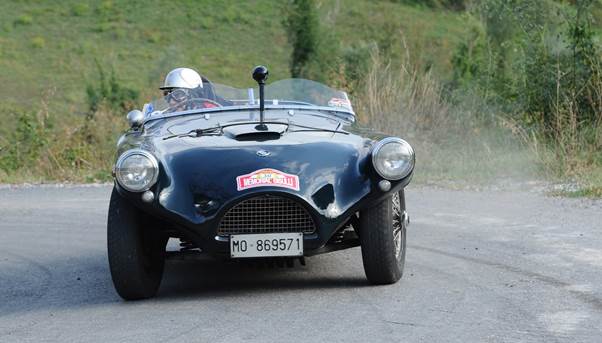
(397, 224)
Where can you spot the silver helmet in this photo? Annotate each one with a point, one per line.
(182, 78)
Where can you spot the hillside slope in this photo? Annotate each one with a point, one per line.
(55, 46)
(50, 52)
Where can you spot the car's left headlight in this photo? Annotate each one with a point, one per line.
(393, 158)
(136, 170)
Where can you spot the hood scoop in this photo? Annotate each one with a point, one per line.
(259, 136)
(250, 133)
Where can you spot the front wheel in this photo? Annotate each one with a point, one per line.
(383, 239)
(136, 251)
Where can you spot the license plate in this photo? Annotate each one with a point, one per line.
(266, 245)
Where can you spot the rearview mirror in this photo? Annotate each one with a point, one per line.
(135, 118)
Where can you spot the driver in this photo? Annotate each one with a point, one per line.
(182, 86)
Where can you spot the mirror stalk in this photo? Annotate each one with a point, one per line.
(260, 74)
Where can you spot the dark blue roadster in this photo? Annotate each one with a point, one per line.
(279, 172)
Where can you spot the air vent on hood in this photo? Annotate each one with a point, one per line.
(259, 136)
(248, 132)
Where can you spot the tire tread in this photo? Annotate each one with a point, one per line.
(124, 245)
(378, 248)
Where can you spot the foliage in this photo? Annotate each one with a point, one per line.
(450, 4)
(452, 140)
(470, 60)
(110, 92)
(23, 20)
(25, 143)
(533, 54)
(38, 42)
(302, 26)
(539, 62)
(221, 39)
(37, 150)
(314, 50)
(355, 61)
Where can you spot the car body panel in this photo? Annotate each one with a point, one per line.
(332, 162)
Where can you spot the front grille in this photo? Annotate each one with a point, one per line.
(266, 214)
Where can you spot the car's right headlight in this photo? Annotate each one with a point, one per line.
(393, 158)
(136, 170)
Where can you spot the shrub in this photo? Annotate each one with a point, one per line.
(106, 9)
(81, 151)
(450, 4)
(206, 22)
(80, 9)
(109, 92)
(302, 25)
(316, 53)
(539, 62)
(469, 61)
(24, 143)
(152, 36)
(356, 61)
(23, 20)
(451, 140)
(38, 42)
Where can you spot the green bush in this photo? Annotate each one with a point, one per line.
(80, 9)
(539, 62)
(450, 4)
(356, 61)
(109, 92)
(316, 53)
(23, 20)
(24, 143)
(518, 56)
(106, 9)
(30, 146)
(153, 36)
(38, 42)
(303, 29)
(469, 60)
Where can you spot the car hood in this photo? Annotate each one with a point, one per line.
(327, 170)
(200, 175)
(331, 167)
(207, 169)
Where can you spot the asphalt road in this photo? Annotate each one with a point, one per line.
(481, 267)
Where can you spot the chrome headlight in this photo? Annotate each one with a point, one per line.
(136, 170)
(393, 158)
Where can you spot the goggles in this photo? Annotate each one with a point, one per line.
(176, 94)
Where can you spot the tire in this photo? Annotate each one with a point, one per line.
(379, 225)
(136, 251)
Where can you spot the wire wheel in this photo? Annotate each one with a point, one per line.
(397, 225)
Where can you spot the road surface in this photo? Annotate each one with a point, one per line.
(481, 267)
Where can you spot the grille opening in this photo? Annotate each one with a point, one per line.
(266, 214)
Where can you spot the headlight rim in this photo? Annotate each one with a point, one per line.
(146, 154)
(384, 142)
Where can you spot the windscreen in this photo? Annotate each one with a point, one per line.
(213, 97)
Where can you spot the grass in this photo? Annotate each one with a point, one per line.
(584, 192)
(583, 182)
(50, 53)
(56, 45)
(455, 142)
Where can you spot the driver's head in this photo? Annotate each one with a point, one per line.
(180, 83)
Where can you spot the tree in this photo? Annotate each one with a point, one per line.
(303, 26)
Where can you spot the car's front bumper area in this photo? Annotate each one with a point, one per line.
(196, 220)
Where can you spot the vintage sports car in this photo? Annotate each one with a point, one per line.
(278, 177)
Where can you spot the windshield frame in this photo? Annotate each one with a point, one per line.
(341, 113)
(284, 94)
